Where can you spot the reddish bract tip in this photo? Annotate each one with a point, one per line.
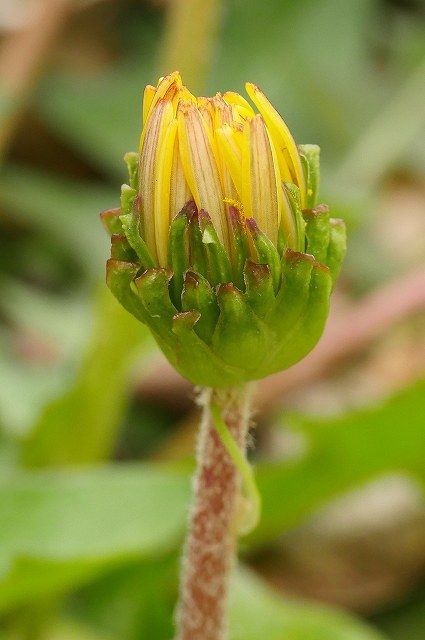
(227, 288)
(257, 271)
(191, 279)
(252, 225)
(188, 210)
(316, 211)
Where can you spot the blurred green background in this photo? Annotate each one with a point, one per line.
(97, 432)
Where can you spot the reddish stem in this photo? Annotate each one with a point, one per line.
(211, 541)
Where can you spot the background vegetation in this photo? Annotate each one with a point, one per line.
(97, 432)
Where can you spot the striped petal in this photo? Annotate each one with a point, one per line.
(166, 90)
(200, 166)
(179, 189)
(261, 184)
(162, 191)
(229, 142)
(148, 95)
(241, 105)
(289, 159)
(158, 122)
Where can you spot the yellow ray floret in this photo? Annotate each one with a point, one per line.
(179, 189)
(166, 90)
(289, 159)
(261, 184)
(200, 166)
(162, 191)
(148, 95)
(235, 99)
(215, 151)
(229, 142)
(222, 112)
(161, 117)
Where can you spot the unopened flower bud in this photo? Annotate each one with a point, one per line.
(219, 245)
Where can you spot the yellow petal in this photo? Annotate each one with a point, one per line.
(229, 142)
(206, 109)
(148, 95)
(287, 222)
(288, 155)
(160, 118)
(200, 166)
(223, 116)
(182, 93)
(162, 189)
(166, 81)
(233, 98)
(240, 114)
(167, 88)
(222, 112)
(179, 189)
(261, 183)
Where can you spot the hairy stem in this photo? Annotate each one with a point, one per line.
(211, 541)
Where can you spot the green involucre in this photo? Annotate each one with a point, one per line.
(226, 319)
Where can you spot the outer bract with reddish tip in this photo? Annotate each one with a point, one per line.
(219, 245)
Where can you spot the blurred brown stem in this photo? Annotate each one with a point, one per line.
(22, 58)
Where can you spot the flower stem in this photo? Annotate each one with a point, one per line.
(211, 541)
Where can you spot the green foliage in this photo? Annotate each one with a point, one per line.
(340, 454)
(258, 612)
(59, 528)
(96, 398)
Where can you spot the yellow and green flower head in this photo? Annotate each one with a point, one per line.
(219, 245)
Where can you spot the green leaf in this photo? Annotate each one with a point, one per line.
(134, 600)
(258, 612)
(63, 209)
(406, 621)
(58, 528)
(81, 425)
(341, 454)
(81, 108)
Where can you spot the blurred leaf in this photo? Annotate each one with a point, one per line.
(57, 528)
(63, 321)
(294, 61)
(65, 210)
(258, 612)
(28, 581)
(398, 124)
(30, 625)
(341, 454)
(69, 630)
(24, 391)
(405, 622)
(82, 425)
(81, 109)
(98, 112)
(133, 601)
